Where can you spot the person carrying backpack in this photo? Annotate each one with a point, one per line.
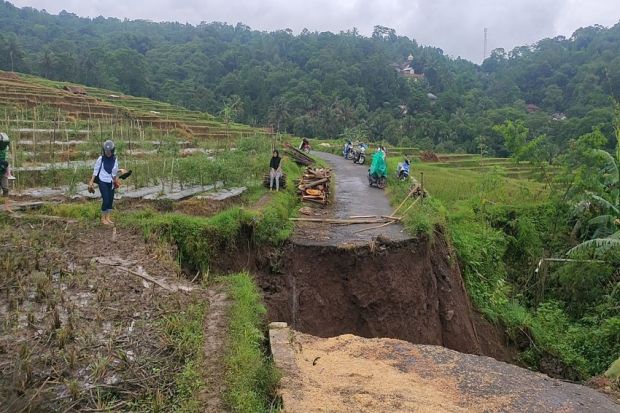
(105, 174)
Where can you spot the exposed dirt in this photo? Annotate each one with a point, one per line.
(353, 374)
(410, 290)
(77, 334)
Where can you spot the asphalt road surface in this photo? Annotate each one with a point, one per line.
(353, 196)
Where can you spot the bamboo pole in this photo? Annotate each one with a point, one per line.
(378, 226)
(338, 221)
(404, 200)
(410, 206)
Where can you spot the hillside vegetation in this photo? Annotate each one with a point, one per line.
(526, 184)
(330, 84)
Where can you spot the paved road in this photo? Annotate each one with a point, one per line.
(353, 196)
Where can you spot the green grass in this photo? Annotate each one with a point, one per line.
(251, 375)
(199, 240)
(499, 227)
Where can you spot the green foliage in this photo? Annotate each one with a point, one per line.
(613, 371)
(600, 210)
(251, 376)
(515, 136)
(481, 249)
(500, 229)
(327, 85)
(88, 211)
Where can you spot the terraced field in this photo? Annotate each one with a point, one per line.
(477, 163)
(31, 92)
(56, 135)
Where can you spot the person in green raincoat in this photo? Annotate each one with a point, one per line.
(378, 168)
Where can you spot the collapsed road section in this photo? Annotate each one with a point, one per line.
(410, 290)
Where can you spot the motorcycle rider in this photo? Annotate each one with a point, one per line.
(378, 169)
(403, 169)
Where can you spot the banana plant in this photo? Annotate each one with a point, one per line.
(604, 227)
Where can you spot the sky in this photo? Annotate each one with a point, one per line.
(456, 26)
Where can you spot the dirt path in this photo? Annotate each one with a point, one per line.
(353, 374)
(352, 197)
(215, 327)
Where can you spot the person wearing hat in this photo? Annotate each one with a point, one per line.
(5, 173)
(105, 174)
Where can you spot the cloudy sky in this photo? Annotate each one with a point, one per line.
(456, 26)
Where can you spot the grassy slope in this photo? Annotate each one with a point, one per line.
(499, 227)
(198, 240)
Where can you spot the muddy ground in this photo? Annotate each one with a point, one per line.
(79, 328)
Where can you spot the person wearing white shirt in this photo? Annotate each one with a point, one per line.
(105, 174)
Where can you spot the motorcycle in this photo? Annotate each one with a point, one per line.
(403, 171)
(359, 155)
(347, 152)
(378, 181)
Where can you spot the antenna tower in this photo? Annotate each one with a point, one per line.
(484, 56)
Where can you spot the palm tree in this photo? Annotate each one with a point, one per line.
(15, 52)
(278, 113)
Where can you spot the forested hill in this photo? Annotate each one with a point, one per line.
(327, 85)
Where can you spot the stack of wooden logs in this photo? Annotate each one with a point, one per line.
(416, 192)
(314, 185)
(298, 156)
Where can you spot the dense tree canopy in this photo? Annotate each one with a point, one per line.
(328, 85)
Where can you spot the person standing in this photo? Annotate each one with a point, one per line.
(105, 175)
(275, 170)
(4, 164)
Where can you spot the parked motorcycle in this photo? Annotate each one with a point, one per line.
(402, 172)
(377, 181)
(359, 154)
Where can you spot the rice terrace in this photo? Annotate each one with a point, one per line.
(211, 218)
